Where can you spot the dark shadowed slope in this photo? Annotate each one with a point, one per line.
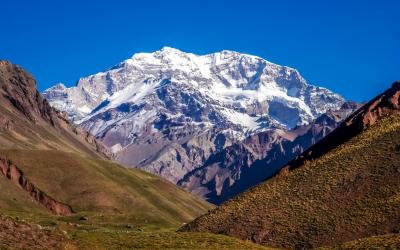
(344, 188)
(255, 159)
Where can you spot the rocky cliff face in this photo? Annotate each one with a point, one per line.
(19, 88)
(20, 96)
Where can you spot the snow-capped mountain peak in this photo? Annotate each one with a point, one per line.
(174, 95)
(231, 78)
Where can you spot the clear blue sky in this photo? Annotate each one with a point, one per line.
(351, 47)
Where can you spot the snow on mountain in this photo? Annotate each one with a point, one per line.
(167, 111)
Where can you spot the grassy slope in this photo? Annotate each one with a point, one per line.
(97, 186)
(13, 198)
(349, 193)
(149, 208)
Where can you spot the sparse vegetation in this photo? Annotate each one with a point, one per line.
(17, 234)
(349, 193)
(62, 233)
(159, 240)
(388, 242)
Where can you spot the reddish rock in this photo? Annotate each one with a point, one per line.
(17, 177)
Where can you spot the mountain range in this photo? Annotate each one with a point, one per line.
(176, 114)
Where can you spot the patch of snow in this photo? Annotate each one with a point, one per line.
(241, 119)
(85, 109)
(116, 148)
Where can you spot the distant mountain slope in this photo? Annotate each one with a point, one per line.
(246, 163)
(168, 111)
(49, 165)
(345, 187)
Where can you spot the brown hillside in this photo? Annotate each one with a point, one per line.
(350, 192)
(28, 121)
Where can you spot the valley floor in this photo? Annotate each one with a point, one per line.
(28, 231)
(24, 231)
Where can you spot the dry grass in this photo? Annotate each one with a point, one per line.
(57, 234)
(95, 187)
(388, 242)
(349, 193)
(159, 240)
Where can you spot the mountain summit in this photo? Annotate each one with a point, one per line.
(238, 86)
(167, 111)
